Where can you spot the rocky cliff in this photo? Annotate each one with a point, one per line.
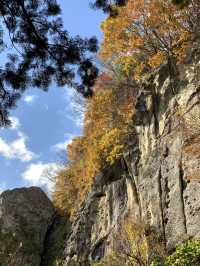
(156, 182)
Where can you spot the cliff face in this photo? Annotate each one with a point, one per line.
(157, 181)
(155, 184)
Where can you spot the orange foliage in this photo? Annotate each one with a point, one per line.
(145, 33)
(75, 150)
(106, 129)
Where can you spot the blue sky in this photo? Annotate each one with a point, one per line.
(44, 122)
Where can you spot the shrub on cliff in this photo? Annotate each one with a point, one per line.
(135, 245)
(187, 254)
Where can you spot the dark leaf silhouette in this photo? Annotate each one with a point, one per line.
(43, 52)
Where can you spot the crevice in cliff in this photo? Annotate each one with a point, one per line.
(46, 240)
(160, 191)
(111, 206)
(133, 182)
(99, 249)
(136, 196)
(173, 74)
(193, 95)
(54, 242)
(182, 187)
(155, 112)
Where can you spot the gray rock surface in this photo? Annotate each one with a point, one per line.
(158, 180)
(91, 234)
(25, 217)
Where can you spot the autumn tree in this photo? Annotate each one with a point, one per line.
(108, 116)
(146, 33)
(107, 129)
(65, 192)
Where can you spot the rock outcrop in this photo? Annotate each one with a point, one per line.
(157, 182)
(26, 214)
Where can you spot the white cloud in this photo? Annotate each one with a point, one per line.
(16, 149)
(75, 119)
(15, 123)
(40, 174)
(61, 146)
(29, 98)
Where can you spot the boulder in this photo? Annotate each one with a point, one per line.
(26, 214)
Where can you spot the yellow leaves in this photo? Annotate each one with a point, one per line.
(137, 241)
(111, 145)
(139, 244)
(182, 46)
(109, 125)
(157, 59)
(144, 33)
(76, 148)
(64, 187)
(108, 114)
(138, 70)
(127, 63)
(99, 107)
(116, 35)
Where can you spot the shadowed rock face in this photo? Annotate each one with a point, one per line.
(25, 217)
(158, 183)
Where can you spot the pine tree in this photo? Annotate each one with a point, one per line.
(43, 52)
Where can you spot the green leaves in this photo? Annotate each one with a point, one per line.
(187, 254)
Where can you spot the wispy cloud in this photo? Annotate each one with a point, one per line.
(61, 146)
(40, 174)
(29, 98)
(15, 123)
(77, 120)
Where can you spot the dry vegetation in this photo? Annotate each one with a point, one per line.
(136, 245)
